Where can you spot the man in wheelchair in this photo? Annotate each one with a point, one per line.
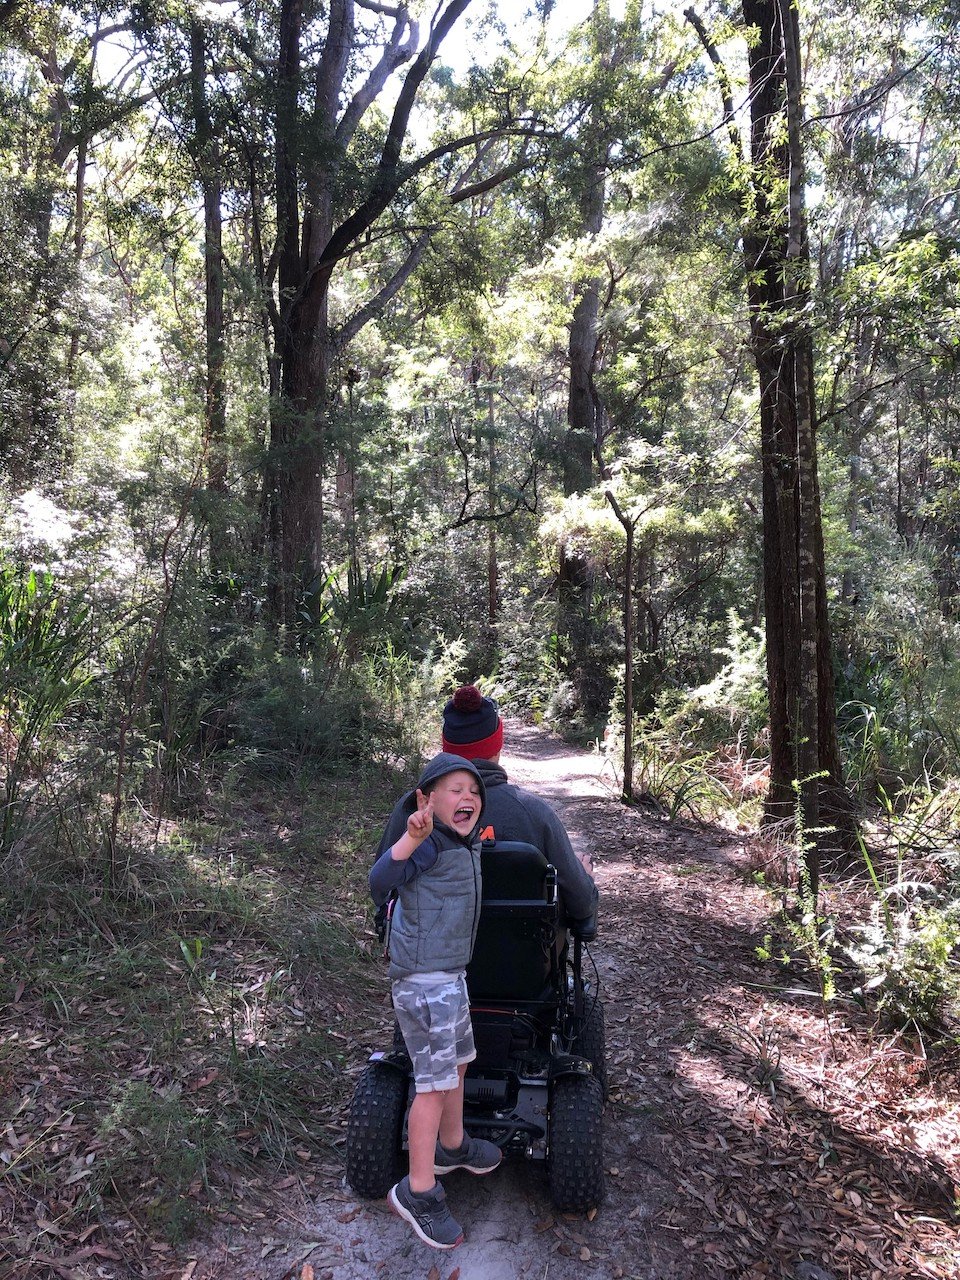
(537, 1085)
(472, 728)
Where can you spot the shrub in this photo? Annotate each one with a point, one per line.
(907, 956)
(45, 651)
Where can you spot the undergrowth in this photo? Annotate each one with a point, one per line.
(190, 1020)
(885, 930)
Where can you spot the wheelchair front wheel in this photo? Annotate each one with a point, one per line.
(374, 1156)
(575, 1143)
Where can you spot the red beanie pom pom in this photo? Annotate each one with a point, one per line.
(468, 698)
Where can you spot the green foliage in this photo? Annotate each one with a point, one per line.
(286, 708)
(909, 948)
(294, 709)
(732, 707)
(673, 774)
(45, 655)
(907, 953)
(903, 690)
(348, 608)
(812, 932)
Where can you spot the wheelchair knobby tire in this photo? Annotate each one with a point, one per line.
(591, 1042)
(575, 1144)
(374, 1154)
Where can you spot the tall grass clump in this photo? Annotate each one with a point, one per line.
(46, 653)
(908, 949)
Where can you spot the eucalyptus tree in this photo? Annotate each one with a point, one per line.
(804, 751)
(354, 179)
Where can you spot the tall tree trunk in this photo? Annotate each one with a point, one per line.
(309, 250)
(208, 162)
(762, 260)
(493, 574)
(629, 528)
(295, 464)
(810, 565)
(73, 351)
(804, 748)
(575, 580)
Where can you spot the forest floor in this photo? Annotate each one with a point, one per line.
(747, 1134)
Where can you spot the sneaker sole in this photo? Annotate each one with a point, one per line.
(440, 1169)
(407, 1216)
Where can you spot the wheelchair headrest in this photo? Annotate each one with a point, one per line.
(512, 869)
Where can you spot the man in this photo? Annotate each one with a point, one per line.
(472, 728)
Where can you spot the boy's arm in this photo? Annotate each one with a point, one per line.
(388, 874)
(410, 854)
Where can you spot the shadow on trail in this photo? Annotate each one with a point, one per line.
(774, 1164)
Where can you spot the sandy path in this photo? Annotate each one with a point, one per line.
(512, 1232)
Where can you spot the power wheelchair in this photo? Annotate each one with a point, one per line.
(538, 1084)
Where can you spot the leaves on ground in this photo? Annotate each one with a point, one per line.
(748, 1132)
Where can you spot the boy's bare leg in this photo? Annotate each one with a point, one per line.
(451, 1119)
(433, 1115)
(423, 1126)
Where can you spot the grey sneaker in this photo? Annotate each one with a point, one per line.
(427, 1213)
(474, 1154)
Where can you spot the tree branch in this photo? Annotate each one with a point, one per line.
(394, 55)
(487, 184)
(726, 92)
(349, 330)
(486, 517)
(390, 10)
(333, 61)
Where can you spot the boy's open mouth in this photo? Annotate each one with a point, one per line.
(463, 814)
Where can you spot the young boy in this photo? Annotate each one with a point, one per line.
(435, 868)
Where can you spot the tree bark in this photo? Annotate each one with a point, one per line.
(73, 351)
(581, 446)
(805, 757)
(493, 572)
(629, 528)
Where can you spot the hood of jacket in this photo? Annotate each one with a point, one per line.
(437, 768)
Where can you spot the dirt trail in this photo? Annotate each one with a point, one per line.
(741, 1138)
(512, 1231)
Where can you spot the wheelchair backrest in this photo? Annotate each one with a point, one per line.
(520, 935)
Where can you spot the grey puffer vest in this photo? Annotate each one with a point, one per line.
(435, 919)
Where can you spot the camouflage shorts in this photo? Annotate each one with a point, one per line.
(434, 1017)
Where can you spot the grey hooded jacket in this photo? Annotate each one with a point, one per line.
(435, 918)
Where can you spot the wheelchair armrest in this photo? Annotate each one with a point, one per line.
(585, 929)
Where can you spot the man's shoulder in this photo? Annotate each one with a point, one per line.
(530, 800)
(510, 798)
